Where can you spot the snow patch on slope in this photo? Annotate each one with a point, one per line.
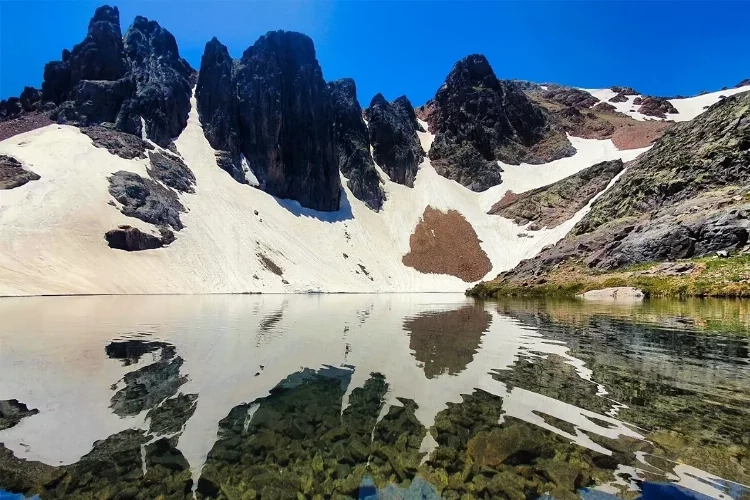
(54, 228)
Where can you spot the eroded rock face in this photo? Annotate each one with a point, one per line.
(393, 135)
(146, 200)
(549, 206)
(171, 171)
(656, 106)
(478, 119)
(273, 107)
(162, 83)
(132, 239)
(352, 139)
(286, 120)
(126, 81)
(12, 173)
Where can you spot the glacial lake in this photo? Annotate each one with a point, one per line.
(372, 396)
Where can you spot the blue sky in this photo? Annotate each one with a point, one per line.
(660, 48)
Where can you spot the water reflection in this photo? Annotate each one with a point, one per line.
(414, 396)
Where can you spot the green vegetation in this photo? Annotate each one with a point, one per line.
(710, 277)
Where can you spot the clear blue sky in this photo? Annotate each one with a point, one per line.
(660, 48)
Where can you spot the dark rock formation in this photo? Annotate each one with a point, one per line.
(393, 135)
(162, 83)
(146, 200)
(478, 119)
(133, 239)
(273, 107)
(170, 416)
(619, 98)
(352, 139)
(12, 412)
(171, 171)
(569, 96)
(131, 351)
(638, 101)
(549, 206)
(128, 82)
(686, 197)
(624, 90)
(121, 144)
(656, 106)
(217, 107)
(12, 173)
(743, 83)
(605, 107)
(145, 388)
(286, 121)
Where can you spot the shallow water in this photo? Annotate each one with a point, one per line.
(373, 396)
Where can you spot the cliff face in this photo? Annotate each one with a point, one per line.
(353, 144)
(393, 135)
(478, 120)
(128, 82)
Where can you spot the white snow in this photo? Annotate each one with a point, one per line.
(53, 228)
(687, 108)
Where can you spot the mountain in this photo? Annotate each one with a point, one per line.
(687, 197)
(130, 172)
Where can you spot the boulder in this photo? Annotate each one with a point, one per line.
(624, 90)
(656, 106)
(353, 143)
(638, 101)
(133, 239)
(619, 98)
(605, 107)
(124, 145)
(146, 200)
(171, 171)
(393, 135)
(569, 96)
(12, 173)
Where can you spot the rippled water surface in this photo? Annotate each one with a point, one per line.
(372, 396)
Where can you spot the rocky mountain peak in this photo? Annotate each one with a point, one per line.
(471, 71)
(105, 18)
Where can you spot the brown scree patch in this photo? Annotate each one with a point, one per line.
(446, 243)
(639, 135)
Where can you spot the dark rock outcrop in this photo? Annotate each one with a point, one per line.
(393, 135)
(131, 351)
(478, 119)
(171, 171)
(145, 388)
(217, 107)
(286, 121)
(352, 139)
(146, 200)
(133, 239)
(162, 83)
(743, 83)
(12, 173)
(12, 412)
(124, 145)
(624, 90)
(569, 96)
(549, 206)
(619, 98)
(131, 81)
(638, 101)
(604, 107)
(656, 106)
(686, 197)
(273, 107)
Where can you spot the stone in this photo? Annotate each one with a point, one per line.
(171, 415)
(619, 98)
(353, 142)
(605, 107)
(478, 120)
(624, 90)
(569, 96)
(133, 239)
(146, 200)
(12, 173)
(171, 171)
(393, 135)
(12, 412)
(656, 106)
(124, 145)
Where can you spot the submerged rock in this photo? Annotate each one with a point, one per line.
(12, 412)
(145, 388)
(393, 135)
(353, 144)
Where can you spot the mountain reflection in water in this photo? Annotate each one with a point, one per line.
(385, 396)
